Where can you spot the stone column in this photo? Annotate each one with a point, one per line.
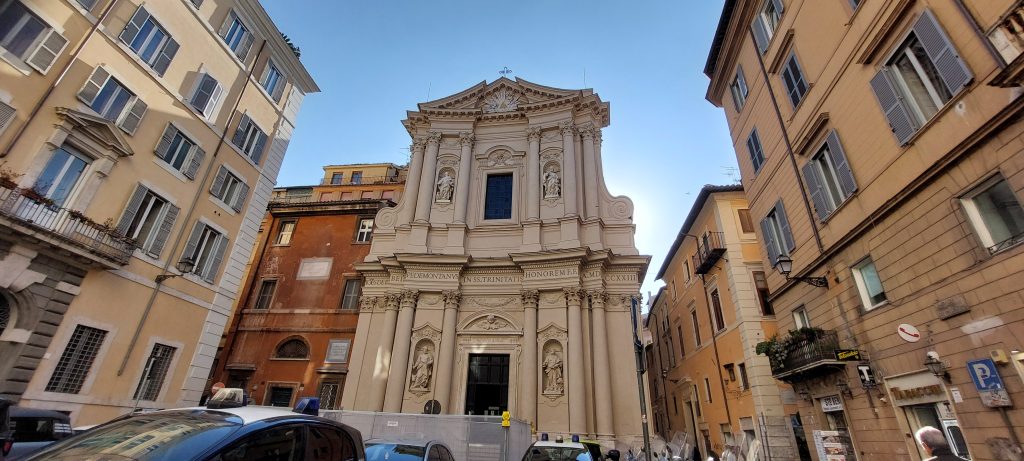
(465, 163)
(602, 369)
(576, 389)
(569, 167)
(383, 362)
(533, 173)
(395, 393)
(528, 391)
(424, 199)
(446, 359)
(592, 207)
(413, 181)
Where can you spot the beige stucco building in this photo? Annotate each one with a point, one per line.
(137, 139)
(504, 277)
(709, 387)
(881, 151)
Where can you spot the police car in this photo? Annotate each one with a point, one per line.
(221, 431)
(560, 450)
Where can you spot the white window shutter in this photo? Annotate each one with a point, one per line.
(769, 240)
(6, 116)
(952, 69)
(787, 233)
(165, 230)
(257, 150)
(164, 145)
(243, 192)
(218, 257)
(227, 24)
(93, 86)
(835, 150)
(760, 34)
(131, 210)
(245, 46)
(193, 242)
(47, 51)
(218, 181)
(814, 186)
(133, 117)
(279, 89)
(198, 154)
(211, 106)
(893, 106)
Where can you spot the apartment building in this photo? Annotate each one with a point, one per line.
(880, 149)
(293, 325)
(711, 388)
(139, 144)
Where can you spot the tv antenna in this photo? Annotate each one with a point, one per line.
(505, 71)
(732, 173)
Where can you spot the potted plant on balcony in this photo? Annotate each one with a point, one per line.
(8, 178)
(777, 349)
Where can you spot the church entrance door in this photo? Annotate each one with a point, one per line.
(487, 384)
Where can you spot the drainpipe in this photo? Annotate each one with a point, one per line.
(63, 72)
(789, 149)
(188, 216)
(714, 345)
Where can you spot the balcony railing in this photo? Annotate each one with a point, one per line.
(67, 226)
(363, 180)
(1007, 37)
(710, 249)
(808, 357)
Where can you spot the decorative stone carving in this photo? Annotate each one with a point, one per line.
(409, 298)
(429, 300)
(391, 301)
(499, 157)
(572, 295)
(567, 128)
(554, 383)
(587, 131)
(529, 297)
(552, 182)
(445, 186)
(491, 302)
(503, 100)
(451, 298)
(533, 133)
(488, 323)
(466, 138)
(366, 303)
(422, 367)
(434, 137)
(552, 331)
(426, 331)
(597, 298)
(491, 323)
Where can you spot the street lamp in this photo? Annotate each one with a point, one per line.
(184, 266)
(934, 365)
(784, 264)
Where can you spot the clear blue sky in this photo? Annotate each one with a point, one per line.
(376, 59)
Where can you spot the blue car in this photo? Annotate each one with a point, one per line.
(213, 434)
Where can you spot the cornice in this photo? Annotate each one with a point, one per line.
(549, 256)
(415, 259)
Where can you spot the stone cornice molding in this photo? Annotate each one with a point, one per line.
(466, 138)
(425, 331)
(530, 298)
(572, 295)
(451, 298)
(533, 133)
(552, 331)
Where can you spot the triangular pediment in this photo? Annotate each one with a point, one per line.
(501, 95)
(98, 129)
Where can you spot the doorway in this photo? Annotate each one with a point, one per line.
(487, 384)
(279, 396)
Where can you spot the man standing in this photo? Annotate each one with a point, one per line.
(935, 445)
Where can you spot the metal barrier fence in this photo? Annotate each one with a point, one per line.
(470, 437)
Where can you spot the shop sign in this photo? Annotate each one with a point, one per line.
(916, 392)
(867, 377)
(848, 355)
(990, 386)
(833, 446)
(831, 403)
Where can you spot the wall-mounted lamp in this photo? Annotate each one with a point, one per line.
(936, 366)
(844, 389)
(784, 264)
(184, 266)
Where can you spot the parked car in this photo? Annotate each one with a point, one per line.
(224, 433)
(6, 440)
(33, 429)
(407, 450)
(558, 450)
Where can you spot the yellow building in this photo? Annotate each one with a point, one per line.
(139, 144)
(880, 148)
(708, 383)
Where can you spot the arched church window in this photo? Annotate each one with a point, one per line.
(292, 349)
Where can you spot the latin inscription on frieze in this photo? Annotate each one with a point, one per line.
(621, 277)
(397, 278)
(592, 274)
(376, 282)
(551, 273)
(491, 279)
(432, 276)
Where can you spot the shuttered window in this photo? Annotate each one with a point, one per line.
(716, 309)
(828, 177)
(250, 138)
(149, 40)
(112, 100)
(75, 362)
(158, 364)
(236, 35)
(793, 78)
(766, 22)
(739, 89)
(350, 299)
(206, 95)
(778, 238)
(922, 75)
(6, 116)
(148, 219)
(273, 81)
(205, 248)
(755, 150)
(25, 36)
(696, 328)
(180, 151)
(498, 200)
(229, 188)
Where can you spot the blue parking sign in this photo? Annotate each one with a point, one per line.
(983, 373)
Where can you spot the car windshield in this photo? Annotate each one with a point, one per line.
(39, 429)
(557, 454)
(163, 435)
(394, 452)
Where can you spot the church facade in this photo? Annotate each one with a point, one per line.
(503, 279)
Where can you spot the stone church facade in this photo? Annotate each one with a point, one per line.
(504, 277)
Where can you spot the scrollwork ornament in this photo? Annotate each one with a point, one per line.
(587, 131)
(451, 298)
(598, 298)
(434, 137)
(418, 144)
(409, 298)
(567, 128)
(391, 301)
(367, 303)
(466, 138)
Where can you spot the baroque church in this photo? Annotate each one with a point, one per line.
(503, 278)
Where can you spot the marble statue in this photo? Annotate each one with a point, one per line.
(552, 183)
(445, 187)
(554, 384)
(422, 369)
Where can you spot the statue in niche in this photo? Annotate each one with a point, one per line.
(552, 183)
(553, 381)
(445, 187)
(422, 369)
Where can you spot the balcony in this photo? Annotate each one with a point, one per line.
(710, 249)
(361, 181)
(808, 358)
(67, 230)
(1007, 37)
